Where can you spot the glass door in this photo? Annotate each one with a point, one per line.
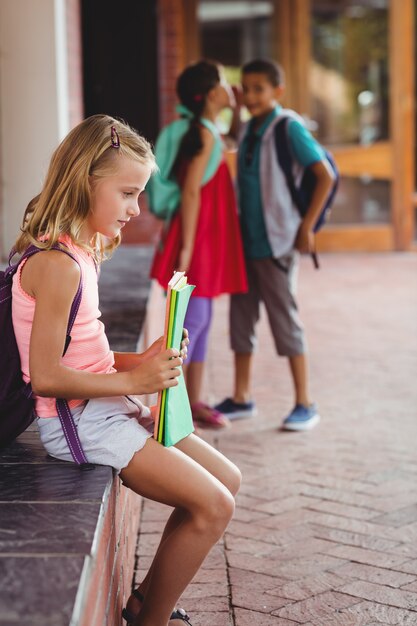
(349, 86)
(350, 73)
(354, 90)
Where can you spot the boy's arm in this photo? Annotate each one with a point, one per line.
(309, 153)
(324, 175)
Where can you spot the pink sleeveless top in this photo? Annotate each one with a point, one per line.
(89, 349)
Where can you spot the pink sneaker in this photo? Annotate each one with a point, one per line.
(205, 416)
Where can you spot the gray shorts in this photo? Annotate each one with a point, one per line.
(111, 430)
(273, 282)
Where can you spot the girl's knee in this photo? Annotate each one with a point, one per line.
(218, 510)
(235, 480)
(222, 510)
(227, 507)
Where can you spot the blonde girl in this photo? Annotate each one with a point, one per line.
(91, 191)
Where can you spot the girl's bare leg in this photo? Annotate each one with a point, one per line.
(220, 467)
(133, 604)
(169, 476)
(213, 461)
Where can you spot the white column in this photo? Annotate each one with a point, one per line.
(61, 68)
(34, 111)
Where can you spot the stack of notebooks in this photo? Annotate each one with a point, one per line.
(173, 419)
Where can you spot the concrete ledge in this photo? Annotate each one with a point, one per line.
(67, 539)
(106, 579)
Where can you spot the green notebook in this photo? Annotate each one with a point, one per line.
(174, 420)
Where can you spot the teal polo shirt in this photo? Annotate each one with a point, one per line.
(305, 149)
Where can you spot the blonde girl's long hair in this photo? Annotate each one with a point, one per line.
(91, 149)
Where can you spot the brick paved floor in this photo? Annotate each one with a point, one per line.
(326, 523)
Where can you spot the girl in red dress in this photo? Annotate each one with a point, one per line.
(203, 238)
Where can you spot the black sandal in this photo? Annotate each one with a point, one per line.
(177, 614)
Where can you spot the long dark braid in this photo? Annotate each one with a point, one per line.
(193, 85)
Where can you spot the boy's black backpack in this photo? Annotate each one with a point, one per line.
(16, 401)
(301, 194)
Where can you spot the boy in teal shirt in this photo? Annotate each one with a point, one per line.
(273, 235)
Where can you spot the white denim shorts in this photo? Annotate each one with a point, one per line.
(111, 430)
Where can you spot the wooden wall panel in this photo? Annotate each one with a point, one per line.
(291, 28)
(374, 160)
(357, 238)
(402, 130)
(282, 45)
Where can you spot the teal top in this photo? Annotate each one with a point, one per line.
(163, 190)
(306, 151)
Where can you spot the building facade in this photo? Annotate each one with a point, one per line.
(349, 66)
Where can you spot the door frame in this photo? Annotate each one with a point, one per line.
(393, 159)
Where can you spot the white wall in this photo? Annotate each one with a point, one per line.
(33, 102)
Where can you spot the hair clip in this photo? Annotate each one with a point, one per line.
(115, 141)
(198, 97)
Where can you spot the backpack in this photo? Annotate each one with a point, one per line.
(302, 194)
(17, 410)
(164, 193)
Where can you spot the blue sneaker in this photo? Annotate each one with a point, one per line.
(302, 418)
(236, 410)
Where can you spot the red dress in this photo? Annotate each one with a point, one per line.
(217, 265)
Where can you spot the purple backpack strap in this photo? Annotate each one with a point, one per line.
(71, 434)
(64, 413)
